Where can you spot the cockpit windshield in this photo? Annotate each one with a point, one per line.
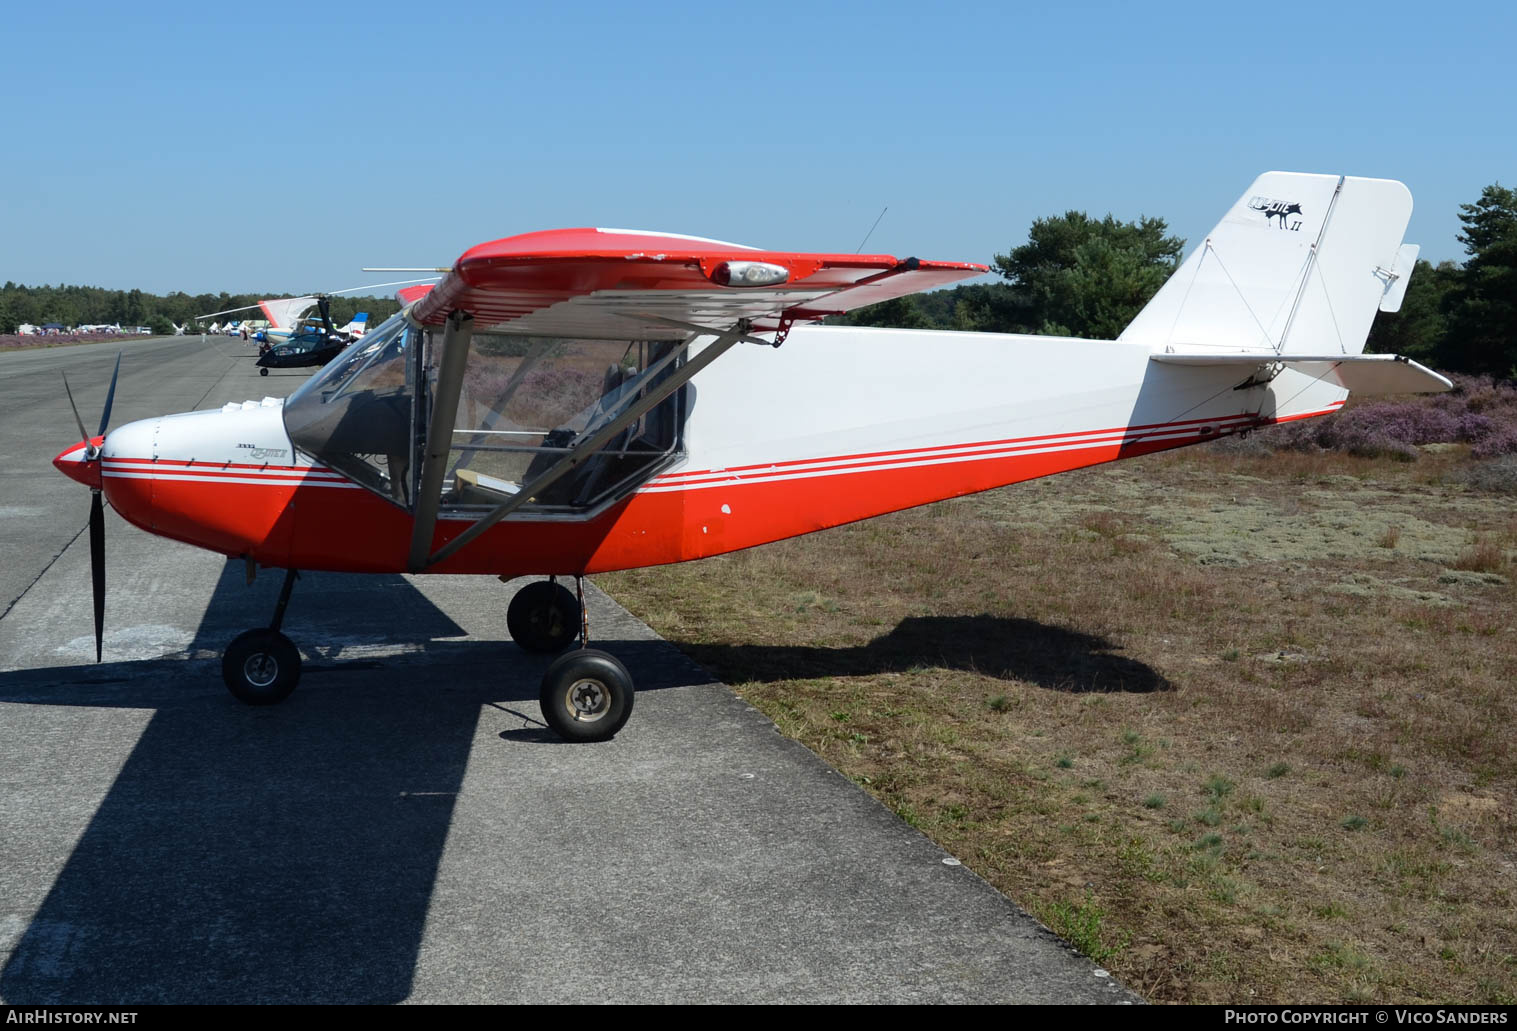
(356, 414)
(524, 404)
(389, 337)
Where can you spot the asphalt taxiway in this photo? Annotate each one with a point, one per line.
(403, 828)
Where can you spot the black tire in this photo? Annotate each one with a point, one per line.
(263, 371)
(261, 667)
(543, 617)
(587, 695)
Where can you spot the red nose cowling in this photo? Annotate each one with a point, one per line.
(74, 464)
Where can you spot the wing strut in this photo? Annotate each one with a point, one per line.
(450, 376)
(586, 450)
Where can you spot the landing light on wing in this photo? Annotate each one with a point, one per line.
(749, 273)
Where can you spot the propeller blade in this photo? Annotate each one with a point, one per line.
(97, 564)
(79, 421)
(110, 397)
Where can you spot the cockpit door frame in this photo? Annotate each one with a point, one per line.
(457, 333)
(449, 383)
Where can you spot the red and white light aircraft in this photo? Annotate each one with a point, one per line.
(556, 406)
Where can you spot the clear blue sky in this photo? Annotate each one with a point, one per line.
(280, 147)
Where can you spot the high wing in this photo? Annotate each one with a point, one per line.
(285, 312)
(615, 284)
(631, 285)
(411, 294)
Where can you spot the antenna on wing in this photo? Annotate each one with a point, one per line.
(872, 228)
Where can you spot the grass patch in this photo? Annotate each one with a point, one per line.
(1083, 925)
(1341, 957)
(1219, 787)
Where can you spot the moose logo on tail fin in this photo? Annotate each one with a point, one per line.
(1280, 209)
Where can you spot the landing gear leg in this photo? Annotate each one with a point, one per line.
(262, 667)
(586, 694)
(584, 611)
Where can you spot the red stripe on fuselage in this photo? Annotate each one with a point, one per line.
(302, 523)
(1035, 441)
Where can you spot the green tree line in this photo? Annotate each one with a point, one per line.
(1086, 277)
(92, 305)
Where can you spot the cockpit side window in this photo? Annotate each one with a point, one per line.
(528, 401)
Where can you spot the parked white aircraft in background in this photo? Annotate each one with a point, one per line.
(356, 326)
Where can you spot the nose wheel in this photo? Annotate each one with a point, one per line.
(262, 667)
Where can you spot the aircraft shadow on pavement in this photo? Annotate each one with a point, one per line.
(1008, 649)
(278, 854)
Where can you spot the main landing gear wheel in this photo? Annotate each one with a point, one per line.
(587, 695)
(543, 617)
(263, 371)
(261, 667)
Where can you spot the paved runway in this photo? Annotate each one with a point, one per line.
(403, 828)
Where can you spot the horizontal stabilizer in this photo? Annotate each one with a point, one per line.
(1357, 373)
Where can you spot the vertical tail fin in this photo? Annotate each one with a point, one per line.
(1299, 265)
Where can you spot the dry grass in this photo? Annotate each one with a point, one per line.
(1483, 556)
(1239, 725)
